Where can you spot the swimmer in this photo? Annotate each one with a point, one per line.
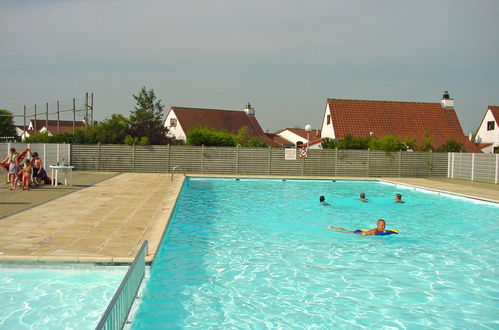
(362, 197)
(398, 198)
(323, 201)
(380, 226)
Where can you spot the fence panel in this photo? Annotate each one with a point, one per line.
(150, 159)
(415, 164)
(84, 157)
(219, 160)
(253, 161)
(352, 162)
(383, 164)
(187, 157)
(439, 164)
(116, 158)
(281, 166)
(484, 167)
(320, 162)
(462, 166)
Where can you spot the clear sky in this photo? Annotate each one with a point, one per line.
(286, 57)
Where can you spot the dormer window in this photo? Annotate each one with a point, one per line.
(490, 125)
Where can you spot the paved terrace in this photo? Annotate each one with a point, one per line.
(108, 221)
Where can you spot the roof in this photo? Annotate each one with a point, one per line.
(221, 120)
(65, 123)
(484, 145)
(312, 142)
(495, 112)
(405, 120)
(315, 133)
(279, 140)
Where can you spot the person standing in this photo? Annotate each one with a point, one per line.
(12, 161)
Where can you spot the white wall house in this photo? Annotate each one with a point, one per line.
(327, 129)
(298, 136)
(175, 130)
(488, 131)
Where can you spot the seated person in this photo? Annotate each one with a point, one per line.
(39, 173)
(322, 199)
(380, 226)
(362, 197)
(398, 198)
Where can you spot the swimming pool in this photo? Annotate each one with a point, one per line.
(257, 254)
(56, 297)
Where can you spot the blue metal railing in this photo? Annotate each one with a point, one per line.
(117, 311)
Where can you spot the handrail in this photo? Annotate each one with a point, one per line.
(180, 168)
(118, 309)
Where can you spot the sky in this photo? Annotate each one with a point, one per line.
(285, 57)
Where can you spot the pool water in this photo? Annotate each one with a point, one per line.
(56, 297)
(257, 254)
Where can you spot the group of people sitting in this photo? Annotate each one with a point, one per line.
(28, 173)
(380, 224)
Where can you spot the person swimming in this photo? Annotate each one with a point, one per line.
(398, 198)
(362, 197)
(380, 226)
(322, 200)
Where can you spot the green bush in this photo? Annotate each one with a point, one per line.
(387, 143)
(203, 136)
(451, 145)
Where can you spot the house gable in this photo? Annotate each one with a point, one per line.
(488, 131)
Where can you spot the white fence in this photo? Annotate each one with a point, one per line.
(50, 153)
(474, 167)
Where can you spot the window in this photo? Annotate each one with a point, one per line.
(328, 119)
(173, 122)
(490, 125)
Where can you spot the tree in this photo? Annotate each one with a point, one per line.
(387, 143)
(7, 127)
(207, 137)
(451, 145)
(111, 131)
(329, 143)
(146, 118)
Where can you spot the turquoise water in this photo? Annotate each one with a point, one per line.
(256, 254)
(65, 297)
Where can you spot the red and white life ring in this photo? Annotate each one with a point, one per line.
(303, 153)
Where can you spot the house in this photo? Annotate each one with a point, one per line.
(180, 120)
(298, 136)
(50, 126)
(487, 135)
(404, 120)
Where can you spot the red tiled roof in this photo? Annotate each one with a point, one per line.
(312, 142)
(315, 133)
(483, 145)
(230, 121)
(495, 112)
(405, 120)
(278, 140)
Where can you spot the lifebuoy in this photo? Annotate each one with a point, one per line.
(303, 153)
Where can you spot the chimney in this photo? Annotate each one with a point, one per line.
(249, 110)
(447, 102)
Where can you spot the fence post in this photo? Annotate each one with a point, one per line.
(368, 161)
(133, 157)
(98, 157)
(431, 163)
(336, 161)
(472, 167)
(270, 160)
(303, 166)
(237, 159)
(497, 168)
(448, 164)
(68, 151)
(202, 159)
(400, 163)
(452, 168)
(44, 153)
(58, 154)
(168, 158)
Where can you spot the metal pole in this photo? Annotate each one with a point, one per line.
(74, 114)
(24, 127)
(47, 116)
(35, 122)
(92, 109)
(58, 119)
(86, 108)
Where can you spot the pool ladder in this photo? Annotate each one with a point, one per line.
(180, 168)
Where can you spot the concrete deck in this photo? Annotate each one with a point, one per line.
(108, 221)
(104, 223)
